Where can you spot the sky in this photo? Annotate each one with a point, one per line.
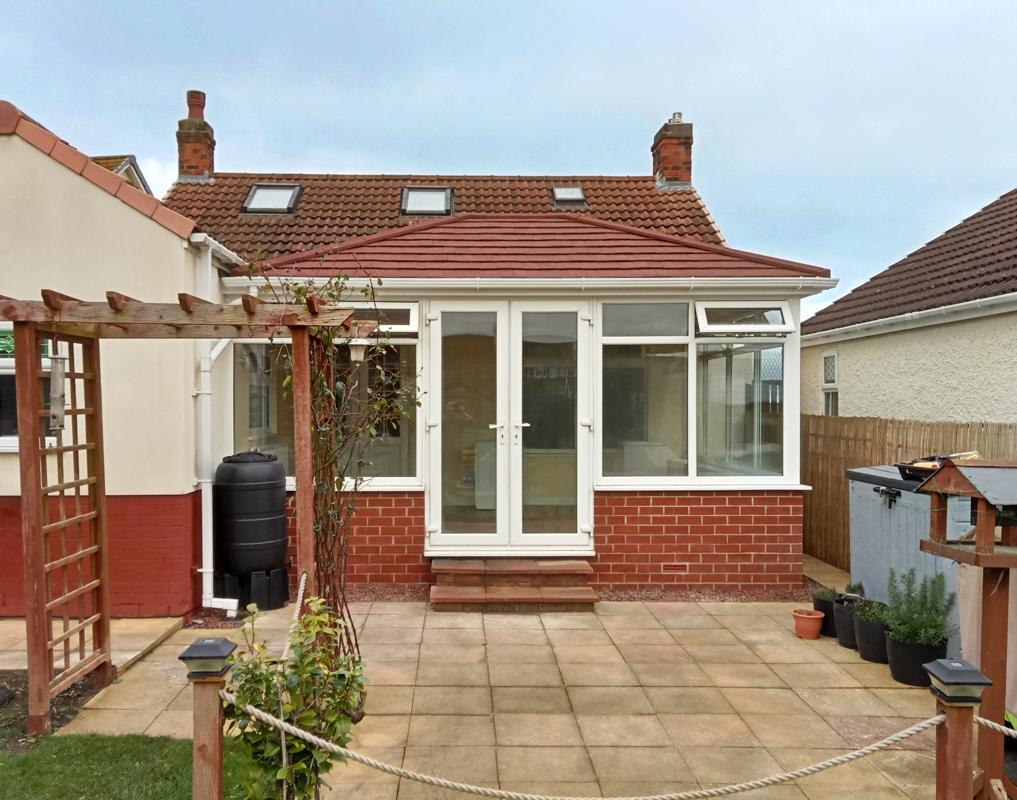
(843, 134)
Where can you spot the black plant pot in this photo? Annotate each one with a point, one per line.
(870, 636)
(829, 626)
(844, 614)
(906, 660)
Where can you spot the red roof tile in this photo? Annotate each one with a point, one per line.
(15, 122)
(533, 245)
(334, 208)
(972, 261)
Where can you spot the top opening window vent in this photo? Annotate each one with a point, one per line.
(272, 198)
(427, 200)
(744, 316)
(568, 195)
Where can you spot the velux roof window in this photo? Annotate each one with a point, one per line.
(272, 198)
(568, 195)
(427, 200)
(744, 316)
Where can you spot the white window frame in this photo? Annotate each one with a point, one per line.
(400, 483)
(10, 444)
(289, 208)
(706, 327)
(413, 326)
(404, 204)
(790, 479)
(829, 388)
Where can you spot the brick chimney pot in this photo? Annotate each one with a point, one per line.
(195, 142)
(672, 152)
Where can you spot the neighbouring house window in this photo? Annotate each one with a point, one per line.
(645, 389)
(263, 407)
(831, 385)
(740, 409)
(8, 399)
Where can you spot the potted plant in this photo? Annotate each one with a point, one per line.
(917, 625)
(844, 614)
(808, 622)
(822, 600)
(870, 630)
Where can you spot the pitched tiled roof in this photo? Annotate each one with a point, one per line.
(15, 123)
(972, 261)
(334, 208)
(533, 245)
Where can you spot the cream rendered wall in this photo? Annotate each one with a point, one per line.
(59, 231)
(957, 372)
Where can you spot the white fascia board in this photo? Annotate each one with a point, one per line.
(972, 309)
(222, 253)
(775, 287)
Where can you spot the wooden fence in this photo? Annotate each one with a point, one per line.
(831, 445)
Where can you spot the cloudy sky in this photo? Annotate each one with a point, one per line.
(844, 134)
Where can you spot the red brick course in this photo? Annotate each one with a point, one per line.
(700, 540)
(704, 540)
(154, 550)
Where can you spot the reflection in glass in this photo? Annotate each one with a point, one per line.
(469, 395)
(740, 409)
(646, 319)
(549, 406)
(645, 391)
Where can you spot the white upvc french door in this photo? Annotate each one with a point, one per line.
(509, 427)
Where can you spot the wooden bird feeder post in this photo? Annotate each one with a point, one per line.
(63, 492)
(992, 487)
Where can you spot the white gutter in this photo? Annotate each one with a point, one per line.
(957, 312)
(785, 287)
(206, 355)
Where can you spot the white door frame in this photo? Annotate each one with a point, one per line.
(509, 538)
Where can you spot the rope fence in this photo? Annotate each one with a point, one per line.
(504, 794)
(988, 723)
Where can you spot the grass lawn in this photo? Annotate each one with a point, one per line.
(88, 767)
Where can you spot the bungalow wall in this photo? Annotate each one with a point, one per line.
(954, 372)
(60, 231)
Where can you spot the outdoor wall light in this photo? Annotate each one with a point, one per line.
(957, 682)
(358, 349)
(208, 658)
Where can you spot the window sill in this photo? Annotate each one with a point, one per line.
(382, 485)
(703, 486)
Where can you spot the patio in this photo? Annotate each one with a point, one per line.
(635, 699)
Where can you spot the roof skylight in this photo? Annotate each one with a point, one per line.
(568, 194)
(272, 198)
(427, 200)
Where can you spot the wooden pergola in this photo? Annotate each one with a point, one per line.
(60, 436)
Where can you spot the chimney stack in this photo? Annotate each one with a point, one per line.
(195, 142)
(672, 152)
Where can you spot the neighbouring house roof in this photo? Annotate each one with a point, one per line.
(974, 260)
(334, 208)
(13, 122)
(532, 245)
(125, 166)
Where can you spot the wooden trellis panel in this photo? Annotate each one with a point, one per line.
(64, 518)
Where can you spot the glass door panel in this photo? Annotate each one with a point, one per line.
(470, 428)
(548, 423)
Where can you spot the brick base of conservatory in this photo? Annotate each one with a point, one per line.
(644, 540)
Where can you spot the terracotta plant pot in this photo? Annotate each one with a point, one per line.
(808, 622)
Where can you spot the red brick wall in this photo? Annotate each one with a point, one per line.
(387, 543)
(154, 549)
(705, 540)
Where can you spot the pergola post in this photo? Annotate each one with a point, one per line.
(303, 454)
(26, 378)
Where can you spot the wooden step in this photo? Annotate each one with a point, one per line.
(512, 584)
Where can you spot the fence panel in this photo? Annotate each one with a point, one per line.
(831, 445)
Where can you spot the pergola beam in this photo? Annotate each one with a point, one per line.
(252, 315)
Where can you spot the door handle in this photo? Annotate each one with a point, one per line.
(500, 427)
(586, 422)
(522, 425)
(494, 425)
